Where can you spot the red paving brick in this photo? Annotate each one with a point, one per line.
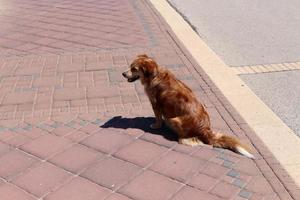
(193, 194)
(78, 189)
(225, 190)
(214, 170)
(203, 182)
(18, 140)
(89, 128)
(141, 153)
(151, 186)
(18, 98)
(4, 148)
(77, 136)
(33, 133)
(41, 179)
(259, 185)
(10, 192)
(117, 196)
(14, 162)
(247, 166)
(76, 158)
(111, 173)
(46, 145)
(62, 130)
(206, 153)
(107, 140)
(178, 166)
(61, 64)
(4, 136)
(158, 139)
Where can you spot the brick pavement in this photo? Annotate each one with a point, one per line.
(72, 128)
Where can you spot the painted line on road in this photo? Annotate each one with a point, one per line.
(266, 68)
(276, 135)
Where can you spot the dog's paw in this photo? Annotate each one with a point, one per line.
(155, 126)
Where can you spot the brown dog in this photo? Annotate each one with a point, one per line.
(175, 102)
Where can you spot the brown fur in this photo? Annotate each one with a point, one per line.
(175, 102)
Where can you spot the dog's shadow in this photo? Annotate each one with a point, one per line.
(142, 123)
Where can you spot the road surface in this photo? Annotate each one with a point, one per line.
(251, 33)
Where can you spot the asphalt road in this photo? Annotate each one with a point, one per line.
(275, 90)
(245, 33)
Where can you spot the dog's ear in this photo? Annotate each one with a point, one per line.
(142, 56)
(149, 68)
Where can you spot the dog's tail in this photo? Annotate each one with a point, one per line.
(227, 142)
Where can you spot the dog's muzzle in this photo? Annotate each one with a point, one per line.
(130, 78)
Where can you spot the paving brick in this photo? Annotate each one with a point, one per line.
(239, 183)
(75, 124)
(214, 170)
(47, 81)
(41, 179)
(186, 149)
(206, 153)
(5, 135)
(18, 140)
(140, 152)
(76, 136)
(104, 91)
(203, 182)
(245, 194)
(4, 148)
(193, 194)
(111, 173)
(225, 190)
(247, 166)
(10, 192)
(107, 140)
(25, 107)
(76, 158)
(90, 128)
(69, 94)
(148, 186)
(78, 189)
(134, 132)
(178, 166)
(18, 98)
(62, 130)
(160, 139)
(34, 133)
(15, 162)
(46, 145)
(116, 196)
(260, 185)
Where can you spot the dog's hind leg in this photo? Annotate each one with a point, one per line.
(193, 141)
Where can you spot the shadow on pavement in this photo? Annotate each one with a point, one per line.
(142, 123)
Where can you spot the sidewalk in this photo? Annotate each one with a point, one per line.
(71, 127)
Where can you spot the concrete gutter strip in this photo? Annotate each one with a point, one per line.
(277, 136)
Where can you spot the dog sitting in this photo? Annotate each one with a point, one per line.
(176, 104)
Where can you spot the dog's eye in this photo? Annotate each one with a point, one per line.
(133, 69)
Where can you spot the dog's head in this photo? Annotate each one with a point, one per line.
(141, 68)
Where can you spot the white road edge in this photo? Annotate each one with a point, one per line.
(276, 135)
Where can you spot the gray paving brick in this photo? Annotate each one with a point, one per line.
(233, 173)
(245, 194)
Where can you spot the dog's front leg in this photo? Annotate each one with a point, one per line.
(158, 118)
